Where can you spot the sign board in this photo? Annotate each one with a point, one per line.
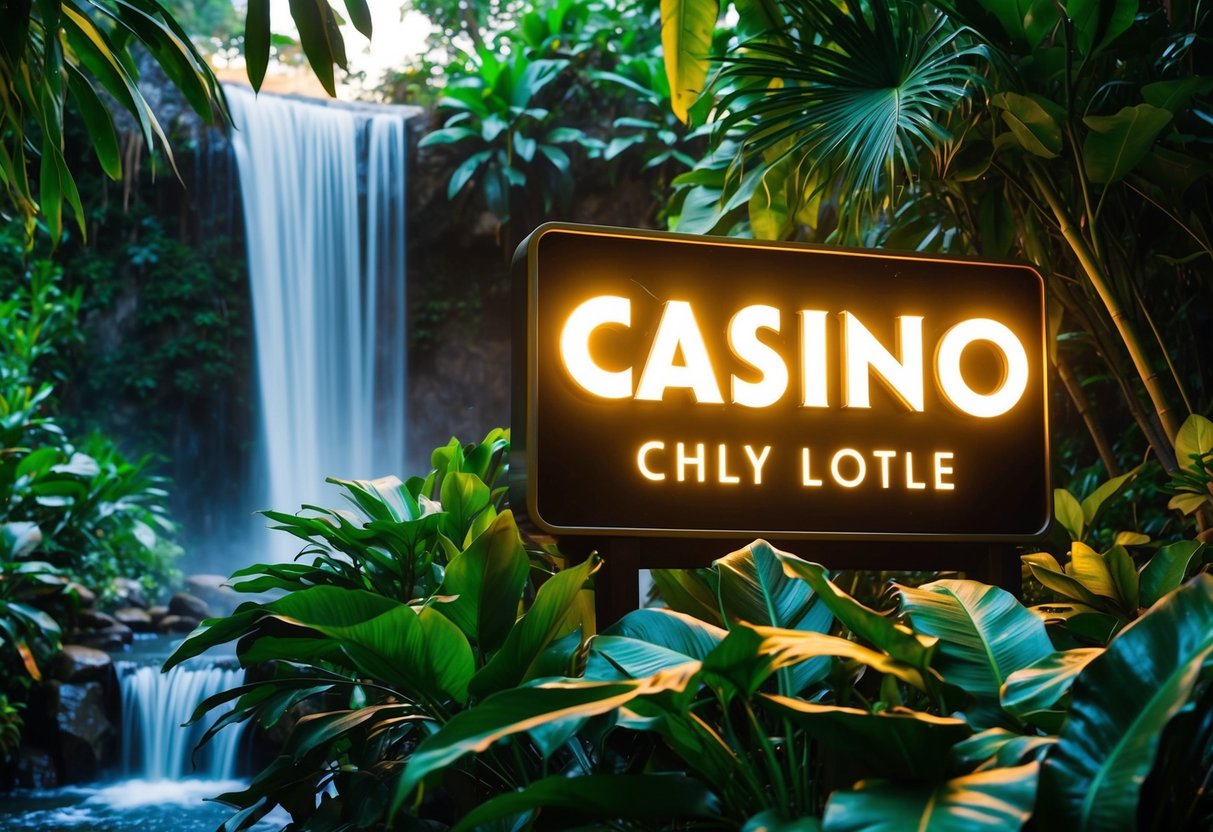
(672, 385)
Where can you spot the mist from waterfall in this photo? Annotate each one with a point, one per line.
(324, 198)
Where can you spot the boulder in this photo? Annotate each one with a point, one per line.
(188, 605)
(157, 612)
(112, 638)
(137, 619)
(177, 624)
(35, 769)
(94, 620)
(86, 597)
(85, 735)
(214, 590)
(77, 663)
(129, 593)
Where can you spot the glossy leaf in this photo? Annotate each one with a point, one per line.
(1167, 569)
(1120, 705)
(648, 640)
(898, 641)
(984, 633)
(1043, 683)
(561, 606)
(517, 710)
(1094, 502)
(1194, 439)
(748, 656)
(903, 745)
(989, 800)
(1030, 121)
(487, 578)
(686, 40)
(690, 591)
(1069, 513)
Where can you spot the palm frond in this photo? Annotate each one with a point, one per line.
(856, 96)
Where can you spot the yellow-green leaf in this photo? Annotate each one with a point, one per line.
(686, 39)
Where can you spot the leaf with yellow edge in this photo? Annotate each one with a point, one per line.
(686, 40)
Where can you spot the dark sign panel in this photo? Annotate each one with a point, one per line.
(690, 386)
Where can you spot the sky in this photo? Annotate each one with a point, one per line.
(396, 39)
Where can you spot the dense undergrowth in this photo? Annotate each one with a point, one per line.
(434, 666)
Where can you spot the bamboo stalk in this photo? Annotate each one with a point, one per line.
(1083, 405)
(1124, 326)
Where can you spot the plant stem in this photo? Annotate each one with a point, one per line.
(1128, 333)
(1083, 405)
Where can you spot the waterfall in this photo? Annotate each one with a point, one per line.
(323, 189)
(154, 707)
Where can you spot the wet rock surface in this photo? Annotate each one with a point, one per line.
(77, 663)
(85, 736)
(189, 606)
(137, 619)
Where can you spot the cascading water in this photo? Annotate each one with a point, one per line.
(154, 707)
(323, 190)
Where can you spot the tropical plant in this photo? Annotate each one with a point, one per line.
(650, 131)
(92, 512)
(509, 143)
(395, 616)
(1069, 134)
(1192, 479)
(62, 51)
(955, 721)
(10, 729)
(29, 636)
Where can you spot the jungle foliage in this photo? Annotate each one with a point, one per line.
(428, 664)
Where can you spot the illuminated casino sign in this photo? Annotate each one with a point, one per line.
(669, 385)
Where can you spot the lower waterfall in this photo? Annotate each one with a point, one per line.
(154, 707)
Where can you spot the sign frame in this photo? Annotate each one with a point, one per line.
(524, 467)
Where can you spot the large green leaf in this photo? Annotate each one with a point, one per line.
(984, 633)
(753, 587)
(997, 800)
(488, 577)
(902, 745)
(1176, 95)
(749, 656)
(463, 497)
(1167, 569)
(1042, 684)
(896, 640)
(1194, 439)
(998, 748)
(517, 710)
(1120, 705)
(1098, 22)
(1094, 502)
(561, 606)
(648, 640)
(691, 591)
(641, 796)
(1069, 513)
(1031, 122)
(686, 40)
(1115, 145)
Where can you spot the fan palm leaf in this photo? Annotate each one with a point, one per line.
(861, 94)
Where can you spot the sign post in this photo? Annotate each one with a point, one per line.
(674, 394)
